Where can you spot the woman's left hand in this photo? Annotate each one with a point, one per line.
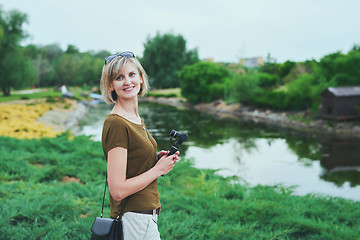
(162, 153)
(166, 153)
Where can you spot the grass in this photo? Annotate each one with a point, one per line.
(167, 93)
(37, 202)
(47, 93)
(80, 93)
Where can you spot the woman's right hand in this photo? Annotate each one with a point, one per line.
(166, 163)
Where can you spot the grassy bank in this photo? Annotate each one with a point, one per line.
(80, 93)
(51, 188)
(43, 93)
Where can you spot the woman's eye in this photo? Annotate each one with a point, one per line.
(132, 74)
(119, 78)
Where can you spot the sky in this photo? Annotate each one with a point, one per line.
(226, 30)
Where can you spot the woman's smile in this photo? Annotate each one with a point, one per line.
(129, 88)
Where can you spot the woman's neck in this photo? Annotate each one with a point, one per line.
(127, 109)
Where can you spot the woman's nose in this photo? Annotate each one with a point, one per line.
(127, 80)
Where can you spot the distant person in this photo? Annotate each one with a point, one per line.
(63, 90)
(130, 150)
(65, 93)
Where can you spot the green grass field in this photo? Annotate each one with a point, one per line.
(46, 93)
(37, 202)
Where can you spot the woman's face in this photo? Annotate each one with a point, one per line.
(127, 84)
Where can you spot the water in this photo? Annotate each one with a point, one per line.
(257, 154)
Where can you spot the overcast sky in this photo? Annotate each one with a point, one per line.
(226, 30)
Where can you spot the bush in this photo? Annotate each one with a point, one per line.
(271, 99)
(242, 88)
(203, 82)
(341, 69)
(267, 80)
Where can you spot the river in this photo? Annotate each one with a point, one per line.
(255, 153)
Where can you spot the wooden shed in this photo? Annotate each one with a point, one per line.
(341, 103)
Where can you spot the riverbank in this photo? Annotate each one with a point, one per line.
(293, 121)
(63, 119)
(40, 117)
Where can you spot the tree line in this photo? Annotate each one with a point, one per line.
(169, 64)
(44, 66)
(282, 86)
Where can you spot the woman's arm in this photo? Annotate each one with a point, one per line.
(119, 186)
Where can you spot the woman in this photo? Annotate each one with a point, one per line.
(130, 150)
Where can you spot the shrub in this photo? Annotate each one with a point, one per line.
(267, 80)
(203, 82)
(242, 88)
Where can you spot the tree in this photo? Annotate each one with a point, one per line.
(245, 87)
(270, 66)
(203, 82)
(78, 69)
(16, 69)
(341, 69)
(164, 56)
(71, 49)
(44, 59)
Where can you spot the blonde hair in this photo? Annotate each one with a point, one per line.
(112, 70)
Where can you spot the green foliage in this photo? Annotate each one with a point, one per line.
(243, 87)
(164, 56)
(43, 58)
(271, 99)
(267, 80)
(341, 69)
(55, 67)
(42, 94)
(197, 204)
(16, 70)
(224, 210)
(158, 95)
(285, 68)
(203, 82)
(270, 66)
(77, 69)
(304, 93)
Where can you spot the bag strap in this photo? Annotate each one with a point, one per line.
(102, 207)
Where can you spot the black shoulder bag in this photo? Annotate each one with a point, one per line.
(108, 228)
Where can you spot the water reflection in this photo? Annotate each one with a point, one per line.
(257, 154)
(341, 159)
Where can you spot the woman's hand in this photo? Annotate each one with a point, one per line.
(166, 163)
(162, 153)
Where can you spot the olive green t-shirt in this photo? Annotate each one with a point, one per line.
(141, 156)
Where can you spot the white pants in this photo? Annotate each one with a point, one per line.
(138, 226)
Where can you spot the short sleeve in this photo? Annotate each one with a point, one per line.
(115, 134)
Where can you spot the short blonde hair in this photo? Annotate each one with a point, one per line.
(112, 70)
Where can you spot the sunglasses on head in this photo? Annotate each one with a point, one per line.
(127, 54)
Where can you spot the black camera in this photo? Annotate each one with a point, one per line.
(176, 140)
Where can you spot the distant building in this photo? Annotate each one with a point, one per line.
(341, 103)
(252, 62)
(209, 60)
